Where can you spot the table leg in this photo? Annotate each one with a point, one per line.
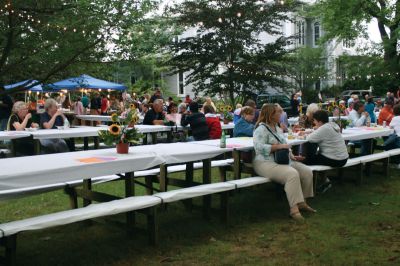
(206, 180)
(96, 143)
(154, 137)
(163, 177)
(87, 185)
(236, 165)
(85, 143)
(13, 146)
(189, 180)
(36, 146)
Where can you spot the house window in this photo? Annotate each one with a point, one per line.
(300, 32)
(181, 83)
(317, 32)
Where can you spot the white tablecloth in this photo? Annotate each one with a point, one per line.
(48, 169)
(180, 152)
(102, 118)
(360, 133)
(241, 143)
(9, 135)
(295, 120)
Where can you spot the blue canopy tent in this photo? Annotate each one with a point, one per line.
(26, 84)
(86, 82)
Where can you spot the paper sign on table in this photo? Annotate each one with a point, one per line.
(96, 159)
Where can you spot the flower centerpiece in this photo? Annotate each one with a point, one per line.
(226, 112)
(336, 111)
(122, 131)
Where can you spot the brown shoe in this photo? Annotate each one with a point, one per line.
(297, 216)
(305, 207)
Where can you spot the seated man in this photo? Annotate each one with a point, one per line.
(358, 118)
(155, 116)
(51, 119)
(197, 122)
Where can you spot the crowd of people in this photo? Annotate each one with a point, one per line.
(325, 144)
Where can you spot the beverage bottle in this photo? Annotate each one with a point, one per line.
(66, 123)
(384, 123)
(222, 143)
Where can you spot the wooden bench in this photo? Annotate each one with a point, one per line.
(9, 231)
(320, 170)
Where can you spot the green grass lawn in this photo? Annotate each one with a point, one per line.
(355, 225)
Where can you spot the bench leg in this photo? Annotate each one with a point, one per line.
(315, 182)
(206, 180)
(222, 173)
(225, 207)
(189, 180)
(85, 143)
(152, 225)
(386, 164)
(361, 173)
(130, 191)
(163, 177)
(10, 246)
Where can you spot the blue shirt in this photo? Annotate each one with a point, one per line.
(45, 117)
(243, 128)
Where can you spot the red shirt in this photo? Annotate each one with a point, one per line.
(214, 126)
(386, 114)
(104, 104)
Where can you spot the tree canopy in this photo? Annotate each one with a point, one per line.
(41, 39)
(226, 55)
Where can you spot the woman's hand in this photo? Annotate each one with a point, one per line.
(34, 125)
(283, 146)
(298, 158)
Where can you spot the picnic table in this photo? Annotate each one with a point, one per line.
(295, 120)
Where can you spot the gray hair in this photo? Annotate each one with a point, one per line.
(158, 101)
(180, 106)
(312, 108)
(49, 103)
(18, 106)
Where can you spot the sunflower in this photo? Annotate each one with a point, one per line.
(114, 117)
(228, 108)
(342, 107)
(134, 119)
(132, 106)
(114, 129)
(221, 108)
(330, 109)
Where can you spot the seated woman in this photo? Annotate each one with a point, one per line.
(296, 177)
(244, 127)
(306, 121)
(213, 123)
(51, 119)
(173, 115)
(332, 148)
(19, 120)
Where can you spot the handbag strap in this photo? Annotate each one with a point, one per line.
(271, 132)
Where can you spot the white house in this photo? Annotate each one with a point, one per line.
(307, 31)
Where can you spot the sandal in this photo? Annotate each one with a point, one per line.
(305, 207)
(297, 216)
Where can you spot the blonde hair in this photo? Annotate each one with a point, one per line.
(266, 113)
(312, 108)
(247, 110)
(238, 106)
(49, 103)
(18, 106)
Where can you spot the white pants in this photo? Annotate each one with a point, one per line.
(296, 177)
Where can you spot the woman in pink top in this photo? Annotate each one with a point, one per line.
(173, 114)
(78, 110)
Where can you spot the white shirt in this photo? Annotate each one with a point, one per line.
(395, 124)
(356, 120)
